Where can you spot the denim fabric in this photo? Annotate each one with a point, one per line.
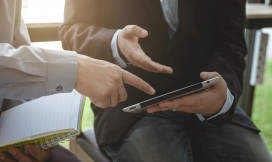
(177, 136)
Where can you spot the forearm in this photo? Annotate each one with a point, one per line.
(28, 72)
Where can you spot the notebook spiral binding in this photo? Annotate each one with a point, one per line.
(51, 141)
(45, 142)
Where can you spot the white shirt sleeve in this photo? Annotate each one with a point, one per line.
(224, 109)
(28, 72)
(118, 60)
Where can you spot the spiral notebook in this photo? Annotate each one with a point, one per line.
(43, 122)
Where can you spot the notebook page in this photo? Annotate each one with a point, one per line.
(44, 115)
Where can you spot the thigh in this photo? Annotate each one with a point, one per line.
(228, 143)
(61, 154)
(152, 139)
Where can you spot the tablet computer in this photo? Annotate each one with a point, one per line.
(142, 106)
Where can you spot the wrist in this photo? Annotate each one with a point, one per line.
(80, 59)
(61, 71)
(116, 52)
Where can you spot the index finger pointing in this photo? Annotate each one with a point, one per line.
(137, 82)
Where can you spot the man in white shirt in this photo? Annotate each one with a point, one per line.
(27, 72)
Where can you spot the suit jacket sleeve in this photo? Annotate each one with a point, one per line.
(85, 34)
(230, 47)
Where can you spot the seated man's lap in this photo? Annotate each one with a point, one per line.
(229, 143)
(152, 139)
(173, 136)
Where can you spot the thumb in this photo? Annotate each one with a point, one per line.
(135, 31)
(208, 75)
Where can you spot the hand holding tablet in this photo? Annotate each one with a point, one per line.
(142, 106)
(181, 100)
(206, 102)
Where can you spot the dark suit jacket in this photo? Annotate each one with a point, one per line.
(210, 37)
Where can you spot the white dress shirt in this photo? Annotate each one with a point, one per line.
(170, 12)
(28, 72)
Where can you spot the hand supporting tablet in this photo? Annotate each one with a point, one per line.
(142, 106)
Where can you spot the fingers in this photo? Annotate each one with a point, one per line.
(19, 155)
(156, 109)
(35, 153)
(132, 31)
(191, 104)
(38, 154)
(208, 75)
(103, 104)
(186, 103)
(114, 98)
(6, 158)
(130, 48)
(139, 59)
(137, 82)
(209, 101)
(151, 66)
(122, 93)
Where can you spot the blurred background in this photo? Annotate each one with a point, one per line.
(47, 15)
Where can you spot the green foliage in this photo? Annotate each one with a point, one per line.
(88, 116)
(262, 106)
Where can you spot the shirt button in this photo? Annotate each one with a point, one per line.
(59, 88)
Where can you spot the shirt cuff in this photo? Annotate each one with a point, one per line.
(224, 109)
(118, 60)
(61, 71)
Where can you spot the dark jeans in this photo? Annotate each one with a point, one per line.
(177, 136)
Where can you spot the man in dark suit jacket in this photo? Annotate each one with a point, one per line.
(191, 36)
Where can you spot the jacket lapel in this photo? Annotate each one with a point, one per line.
(155, 9)
(186, 11)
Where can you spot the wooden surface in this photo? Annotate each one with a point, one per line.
(43, 32)
(258, 11)
(79, 152)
